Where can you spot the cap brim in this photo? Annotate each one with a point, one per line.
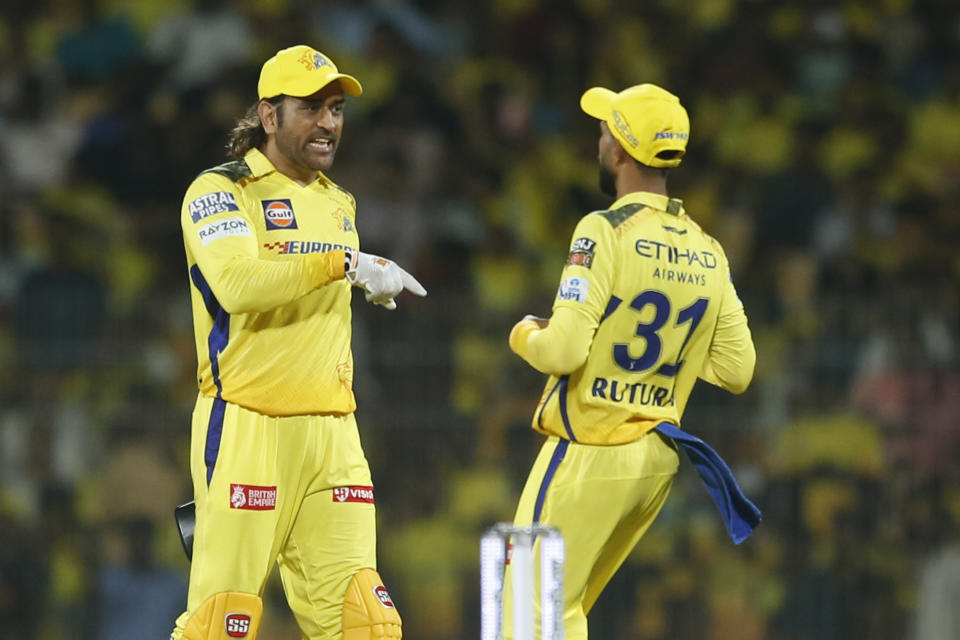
(597, 102)
(350, 86)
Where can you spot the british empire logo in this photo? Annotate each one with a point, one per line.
(252, 497)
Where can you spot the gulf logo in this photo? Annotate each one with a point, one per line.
(278, 214)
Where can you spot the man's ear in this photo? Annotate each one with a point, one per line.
(268, 116)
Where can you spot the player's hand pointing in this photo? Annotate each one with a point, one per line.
(382, 279)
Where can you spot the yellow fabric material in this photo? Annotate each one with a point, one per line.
(225, 616)
(654, 293)
(521, 333)
(602, 499)
(320, 541)
(567, 347)
(645, 119)
(301, 71)
(271, 307)
(368, 611)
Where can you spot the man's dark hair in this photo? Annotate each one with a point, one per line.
(248, 131)
(663, 171)
(667, 154)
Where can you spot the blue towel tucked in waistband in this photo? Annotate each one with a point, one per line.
(739, 514)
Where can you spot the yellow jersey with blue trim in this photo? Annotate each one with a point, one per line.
(271, 306)
(646, 306)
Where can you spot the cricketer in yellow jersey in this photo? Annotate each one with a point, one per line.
(645, 306)
(278, 471)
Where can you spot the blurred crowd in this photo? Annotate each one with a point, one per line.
(824, 155)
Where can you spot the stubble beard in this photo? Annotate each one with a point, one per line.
(287, 146)
(607, 180)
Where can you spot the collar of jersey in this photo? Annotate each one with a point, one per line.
(260, 165)
(653, 200)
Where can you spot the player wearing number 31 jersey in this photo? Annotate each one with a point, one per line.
(645, 306)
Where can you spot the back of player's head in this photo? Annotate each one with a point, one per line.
(648, 121)
(301, 71)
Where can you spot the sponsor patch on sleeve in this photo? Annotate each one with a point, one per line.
(211, 204)
(353, 494)
(581, 253)
(574, 289)
(223, 229)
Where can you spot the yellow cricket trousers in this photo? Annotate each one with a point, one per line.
(602, 499)
(293, 490)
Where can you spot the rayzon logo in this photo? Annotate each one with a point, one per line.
(223, 229)
(237, 625)
(353, 494)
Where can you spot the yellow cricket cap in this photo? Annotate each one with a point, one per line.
(645, 119)
(301, 71)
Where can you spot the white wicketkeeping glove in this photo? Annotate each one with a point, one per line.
(382, 279)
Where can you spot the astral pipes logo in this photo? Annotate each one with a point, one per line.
(211, 204)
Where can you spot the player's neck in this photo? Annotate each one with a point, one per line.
(299, 174)
(632, 181)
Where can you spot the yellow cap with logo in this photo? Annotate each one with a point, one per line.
(301, 71)
(648, 121)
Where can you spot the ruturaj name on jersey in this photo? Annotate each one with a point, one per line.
(650, 395)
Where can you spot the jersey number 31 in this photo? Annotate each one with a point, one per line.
(692, 314)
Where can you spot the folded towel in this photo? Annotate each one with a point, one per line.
(739, 514)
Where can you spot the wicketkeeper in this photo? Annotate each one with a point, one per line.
(278, 471)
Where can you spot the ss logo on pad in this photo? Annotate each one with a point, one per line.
(237, 625)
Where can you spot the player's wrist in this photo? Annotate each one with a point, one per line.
(350, 259)
(521, 333)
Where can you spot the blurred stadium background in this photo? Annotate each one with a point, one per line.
(825, 155)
